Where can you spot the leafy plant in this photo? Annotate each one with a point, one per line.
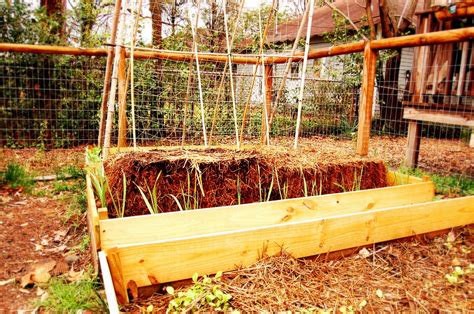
(152, 203)
(120, 209)
(456, 276)
(282, 190)
(100, 183)
(205, 294)
(93, 154)
(64, 297)
(445, 184)
(17, 177)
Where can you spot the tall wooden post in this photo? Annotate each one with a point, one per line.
(268, 81)
(108, 72)
(413, 145)
(122, 100)
(366, 100)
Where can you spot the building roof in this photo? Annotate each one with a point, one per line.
(323, 21)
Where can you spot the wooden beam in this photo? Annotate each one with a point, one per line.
(92, 222)
(103, 214)
(434, 38)
(116, 271)
(108, 72)
(179, 258)
(56, 50)
(397, 178)
(413, 143)
(108, 284)
(366, 100)
(122, 100)
(149, 228)
(440, 116)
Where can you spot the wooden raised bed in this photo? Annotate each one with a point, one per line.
(146, 250)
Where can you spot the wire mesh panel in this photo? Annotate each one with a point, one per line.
(49, 101)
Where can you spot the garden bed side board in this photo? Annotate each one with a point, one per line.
(229, 238)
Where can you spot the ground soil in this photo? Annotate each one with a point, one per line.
(34, 228)
(222, 177)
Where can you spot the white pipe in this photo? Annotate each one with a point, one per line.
(198, 71)
(303, 75)
(229, 51)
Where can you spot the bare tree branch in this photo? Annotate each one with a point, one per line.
(344, 16)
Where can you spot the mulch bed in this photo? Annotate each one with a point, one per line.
(394, 277)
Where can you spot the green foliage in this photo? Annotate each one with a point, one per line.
(445, 184)
(204, 295)
(152, 203)
(70, 172)
(99, 183)
(16, 176)
(19, 23)
(120, 209)
(64, 297)
(456, 277)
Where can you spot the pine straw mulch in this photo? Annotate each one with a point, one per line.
(440, 156)
(398, 276)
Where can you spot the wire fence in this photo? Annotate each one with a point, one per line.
(54, 101)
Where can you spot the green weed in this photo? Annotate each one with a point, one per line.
(152, 202)
(120, 208)
(453, 184)
(100, 184)
(16, 176)
(83, 245)
(64, 297)
(70, 172)
(204, 295)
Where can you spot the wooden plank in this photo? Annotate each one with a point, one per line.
(397, 178)
(366, 101)
(433, 38)
(92, 222)
(108, 284)
(122, 101)
(176, 259)
(440, 116)
(103, 214)
(413, 143)
(149, 228)
(116, 270)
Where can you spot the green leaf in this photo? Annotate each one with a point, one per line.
(149, 308)
(218, 275)
(170, 290)
(195, 277)
(362, 304)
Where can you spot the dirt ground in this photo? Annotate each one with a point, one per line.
(33, 228)
(37, 228)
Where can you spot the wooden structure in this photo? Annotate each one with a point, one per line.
(424, 40)
(442, 85)
(141, 251)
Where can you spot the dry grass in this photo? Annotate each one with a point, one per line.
(392, 277)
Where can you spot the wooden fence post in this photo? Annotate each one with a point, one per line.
(122, 100)
(413, 145)
(366, 100)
